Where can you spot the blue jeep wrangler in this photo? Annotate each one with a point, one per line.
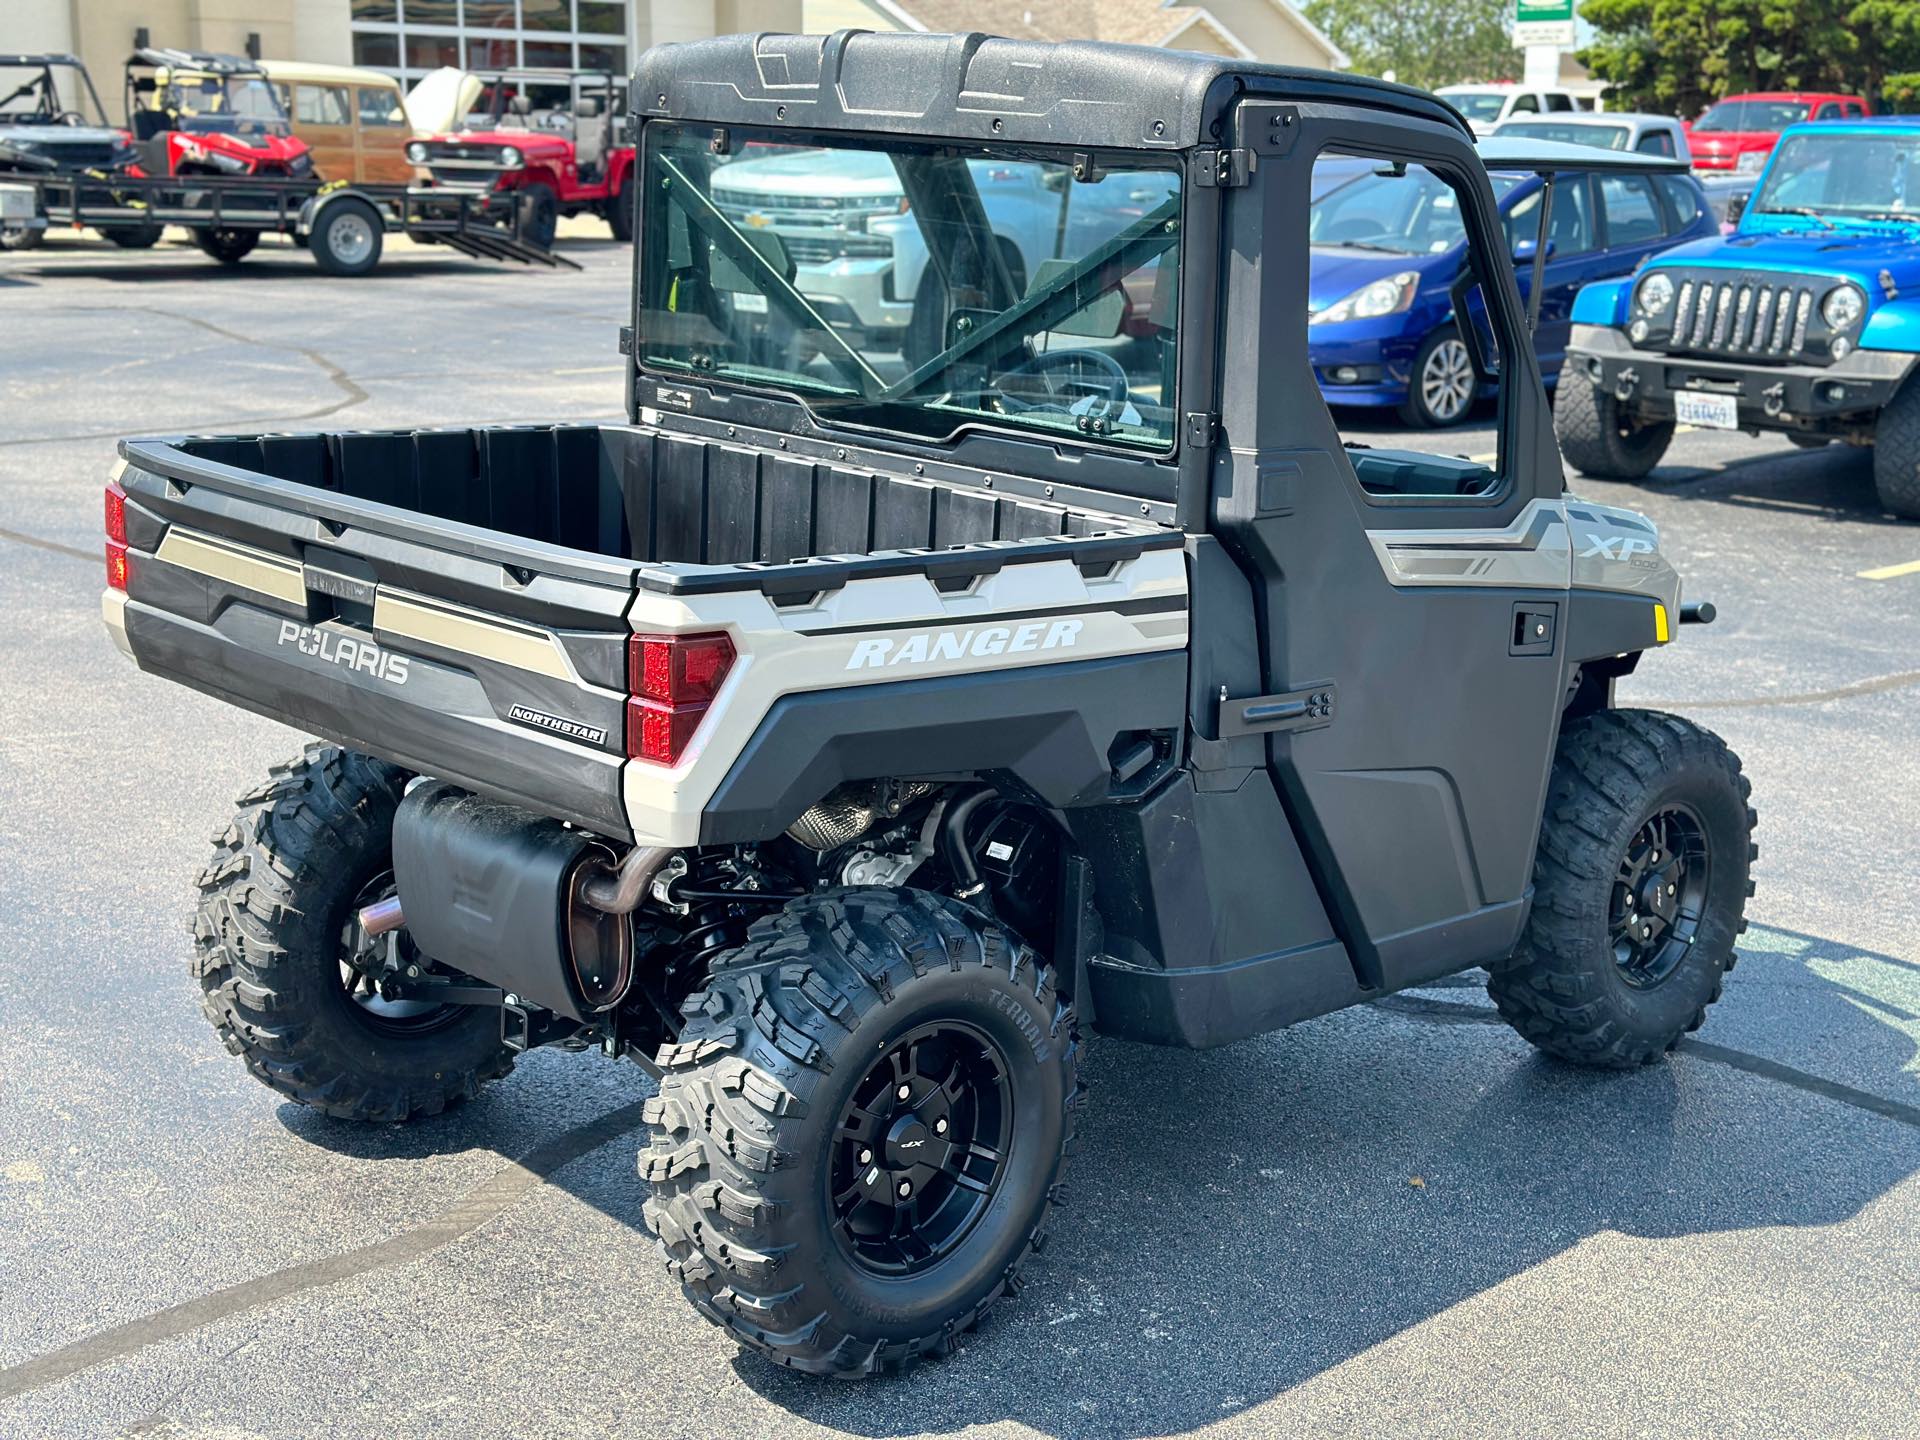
(1805, 320)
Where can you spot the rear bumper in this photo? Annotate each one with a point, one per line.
(438, 721)
(1815, 398)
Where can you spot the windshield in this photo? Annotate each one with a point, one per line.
(917, 288)
(1482, 106)
(1844, 174)
(1607, 137)
(1752, 115)
(1417, 213)
(46, 94)
(226, 105)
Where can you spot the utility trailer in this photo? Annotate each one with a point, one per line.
(848, 733)
(343, 225)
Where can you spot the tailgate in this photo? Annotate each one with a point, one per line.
(476, 656)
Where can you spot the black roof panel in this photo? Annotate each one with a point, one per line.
(1080, 92)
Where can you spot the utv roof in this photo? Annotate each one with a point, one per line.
(1079, 92)
(1545, 157)
(40, 60)
(202, 62)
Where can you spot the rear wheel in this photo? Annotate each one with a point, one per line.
(1599, 438)
(620, 209)
(294, 985)
(229, 247)
(860, 1134)
(347, 241)
(539, 216)
(1896, 455)
(1640, 887)
(22, 239)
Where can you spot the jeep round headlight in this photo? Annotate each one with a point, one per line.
(1656, 293)
(1843, 308)
(417, 153)
(511, 158)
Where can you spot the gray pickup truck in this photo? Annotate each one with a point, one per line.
(845, 738)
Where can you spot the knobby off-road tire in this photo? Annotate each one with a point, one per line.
(620, 209)
(756, 1125)
(1896, 455)
(274, 903)
(1596, 436)
(1584, 984)
(229, 247)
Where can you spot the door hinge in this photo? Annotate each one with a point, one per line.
(626, 339)
(1203, 428)
(1308, 709)
(1224, 169)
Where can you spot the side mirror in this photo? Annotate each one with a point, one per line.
(1524, 251)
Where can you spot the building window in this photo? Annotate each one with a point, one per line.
(409, 38)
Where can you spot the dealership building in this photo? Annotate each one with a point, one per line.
(405, 37)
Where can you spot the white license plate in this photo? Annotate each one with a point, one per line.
(1712, 412)
(746, 302)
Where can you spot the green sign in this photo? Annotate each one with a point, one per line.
(1534, 12)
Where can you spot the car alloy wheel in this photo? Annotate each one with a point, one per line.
(1446, 380)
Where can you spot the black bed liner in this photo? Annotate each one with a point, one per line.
(633, 506)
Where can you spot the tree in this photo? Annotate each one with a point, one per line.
(1678, 56)
(1424, 42)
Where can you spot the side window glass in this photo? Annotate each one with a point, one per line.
(1569, 228)
(1655, 142)
(1829, 111)
(1387, 243)
(1682, 199)
(320, 105)
(1559, 102)
(380, 107)
(1525, 104)
(1632, 216)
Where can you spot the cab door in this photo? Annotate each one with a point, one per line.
(323, 117)
(1410, 605)
(382, 136)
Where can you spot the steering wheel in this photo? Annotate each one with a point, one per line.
(1043, 365)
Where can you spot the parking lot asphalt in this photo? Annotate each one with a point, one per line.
(1394, 1220)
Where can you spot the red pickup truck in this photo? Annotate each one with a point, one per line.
(546, 140)
(1739, 132)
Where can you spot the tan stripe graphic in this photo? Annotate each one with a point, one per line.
(402, 615)
(253, 569)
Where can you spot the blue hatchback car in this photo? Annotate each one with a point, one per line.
(1387, 248)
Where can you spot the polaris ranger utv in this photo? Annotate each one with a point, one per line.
(844, 738)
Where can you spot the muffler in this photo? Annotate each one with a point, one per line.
(515, 899)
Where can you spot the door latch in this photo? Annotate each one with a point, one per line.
(1308, 709)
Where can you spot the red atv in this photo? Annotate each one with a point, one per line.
(548, 141)
(193, 113)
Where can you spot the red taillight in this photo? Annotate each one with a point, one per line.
(116, 537)
(116, 514)
(673, 678)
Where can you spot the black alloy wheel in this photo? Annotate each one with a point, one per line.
(920, 1149)
(1659, 896)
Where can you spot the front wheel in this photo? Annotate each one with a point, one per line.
(22, 239)
(860, 1134)
(620, 209)
(130, 237)
(229, 247)
(1896, 455)
(287, 976)
(1599, 438)
(1442, 382)
(347, 240)
(1641, 880)
(539, 216)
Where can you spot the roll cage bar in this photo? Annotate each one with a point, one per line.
(47, 64)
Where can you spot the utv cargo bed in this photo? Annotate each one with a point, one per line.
(460, 600)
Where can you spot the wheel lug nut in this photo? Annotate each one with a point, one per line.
(866, 1156)
(906, 1189)
(940, 1127)
(1672, 890)
(1646, 932)
(903, 1092)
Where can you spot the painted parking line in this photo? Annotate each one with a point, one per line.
(1892, 572)
(1494, 455)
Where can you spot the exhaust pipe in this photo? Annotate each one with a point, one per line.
(382, 916)
(617, 890)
